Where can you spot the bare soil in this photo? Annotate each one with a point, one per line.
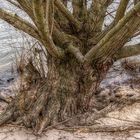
(129, 116)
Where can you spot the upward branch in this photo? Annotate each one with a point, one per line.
(128, 51)
(80, 28)
(97, 13)
(121, 10)
(41, 18)
(121, 32)
(40, 30)
(67, 14)
(19, 23)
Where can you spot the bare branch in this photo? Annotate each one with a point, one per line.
(14, 3)
(79, 8)
(76, 52)
(98, 13)
(67, 14)
(42, 23)
(128, 51)
(19, 23)
(121, 10)
(121, 32)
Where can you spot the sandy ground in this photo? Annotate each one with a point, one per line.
(12, 133)
(128, 115)
(15, 133)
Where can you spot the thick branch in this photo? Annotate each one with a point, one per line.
(28, 28)
(79, 8)
(128, 51)
(98, 12)
(14, 3)
(125, 28)
(121, 10)
(67, 14)
(42, 23)
(76, 52)
(19, 23)
(68, 43)
(26, 6)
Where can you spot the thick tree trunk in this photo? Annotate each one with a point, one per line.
(70, 87)
(72, 84)
(66, 92)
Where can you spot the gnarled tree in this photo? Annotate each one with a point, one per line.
(80, 52)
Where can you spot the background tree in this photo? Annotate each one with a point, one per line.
(80, 52)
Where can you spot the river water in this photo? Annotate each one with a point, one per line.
(9, 38)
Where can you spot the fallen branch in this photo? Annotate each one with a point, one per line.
(105, 128)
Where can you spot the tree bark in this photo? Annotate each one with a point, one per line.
(66, 92)
(79, 56)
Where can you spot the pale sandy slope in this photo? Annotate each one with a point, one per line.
(12, 133)
(131, 114)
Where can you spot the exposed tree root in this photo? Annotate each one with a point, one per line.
(44, 111)
(7, 114)
(103, 128)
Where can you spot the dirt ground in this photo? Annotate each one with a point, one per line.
(12, 133)
(127, 116)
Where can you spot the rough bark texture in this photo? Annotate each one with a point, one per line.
(80, 52)
(69, 90)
